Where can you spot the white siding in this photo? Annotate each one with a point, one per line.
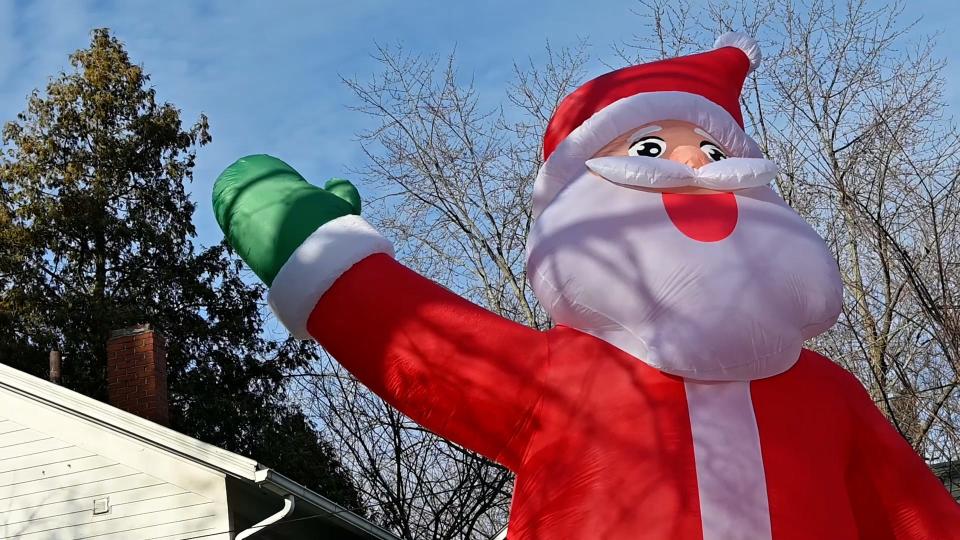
(53, 466)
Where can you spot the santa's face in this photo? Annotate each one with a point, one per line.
(670, 139)
(668, 248)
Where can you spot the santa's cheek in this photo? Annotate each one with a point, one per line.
(705, 218)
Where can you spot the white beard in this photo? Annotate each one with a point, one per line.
(608, 260)
(650, 172)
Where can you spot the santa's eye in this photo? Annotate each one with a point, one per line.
(647, 146)
(712, 151)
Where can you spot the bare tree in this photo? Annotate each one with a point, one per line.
(849, 101)
(455, 180)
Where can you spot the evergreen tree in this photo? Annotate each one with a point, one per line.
(96, 234)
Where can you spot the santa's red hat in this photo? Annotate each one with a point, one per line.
(703, 89)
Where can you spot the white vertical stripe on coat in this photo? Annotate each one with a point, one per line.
(726, 446)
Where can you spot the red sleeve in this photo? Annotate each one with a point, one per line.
(459, 370)
(895, 495)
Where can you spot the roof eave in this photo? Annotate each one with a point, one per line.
(281, 485)
(131, 425)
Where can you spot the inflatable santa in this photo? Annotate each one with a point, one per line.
(673, 398)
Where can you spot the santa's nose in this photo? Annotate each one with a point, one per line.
(690, 156)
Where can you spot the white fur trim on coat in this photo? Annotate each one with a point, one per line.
(322, 258)
(568, 160)
(745, 43)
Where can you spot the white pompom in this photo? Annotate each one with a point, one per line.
(745, 43)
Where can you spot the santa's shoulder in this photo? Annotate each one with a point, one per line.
(820, 376)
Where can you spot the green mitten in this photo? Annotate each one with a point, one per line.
(298, 238)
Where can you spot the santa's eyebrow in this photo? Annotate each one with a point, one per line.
(703, 133)
(644, 131)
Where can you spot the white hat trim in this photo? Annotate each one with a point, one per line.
(569, 158)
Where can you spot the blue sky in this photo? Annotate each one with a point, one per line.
(268, 73)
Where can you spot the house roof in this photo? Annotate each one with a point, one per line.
(245, 471)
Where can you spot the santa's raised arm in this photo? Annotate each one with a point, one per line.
(673, 399)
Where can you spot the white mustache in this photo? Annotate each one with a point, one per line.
(725, 175)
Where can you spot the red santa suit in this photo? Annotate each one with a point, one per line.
(673, 399)
(605, 446)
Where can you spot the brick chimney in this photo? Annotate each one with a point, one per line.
(137, 373)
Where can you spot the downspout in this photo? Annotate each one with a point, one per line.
(288, 503)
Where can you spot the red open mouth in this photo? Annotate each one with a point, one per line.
(702, 217)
